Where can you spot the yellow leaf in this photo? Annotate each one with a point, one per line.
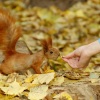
(6, 97)
(94, 80)
(71, 13)
(29, 85)
(58, 81)
(31, 78)
(44, 78)
(2, 77)
(13, 89)
(48, 70)
(89, 68)
(63, 94)
(2, 83)
(80, 13)
(38, 92)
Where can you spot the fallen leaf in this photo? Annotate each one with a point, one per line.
(94, 76)
(38, 92)
(94, 80)
(63, 94)
(13, 89)
(44, 78)
(31, 78)
(80, 13)
(58, 80)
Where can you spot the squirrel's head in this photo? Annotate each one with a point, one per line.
(49, 51)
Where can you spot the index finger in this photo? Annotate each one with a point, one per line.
(72, 54)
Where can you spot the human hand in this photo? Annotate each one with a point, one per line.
(80, 57)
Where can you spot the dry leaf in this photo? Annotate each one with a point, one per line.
(94, 77)
(44, 78)
(13, 89)
(58, 80)
(70, 29)
(80, 13)
(38, 92)
(63, 94)
(31, 78)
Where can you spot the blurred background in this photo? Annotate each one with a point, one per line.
(70, 23)
(62, 4)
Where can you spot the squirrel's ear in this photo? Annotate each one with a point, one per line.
(45, 45)
(49, 42)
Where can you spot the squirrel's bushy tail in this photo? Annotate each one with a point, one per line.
(9, 31)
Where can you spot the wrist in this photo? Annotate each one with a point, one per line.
(93, 48)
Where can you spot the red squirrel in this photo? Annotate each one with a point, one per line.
(15, 61)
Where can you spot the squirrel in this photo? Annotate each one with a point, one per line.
(15, 61)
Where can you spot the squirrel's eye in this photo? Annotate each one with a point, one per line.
(51, 52)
